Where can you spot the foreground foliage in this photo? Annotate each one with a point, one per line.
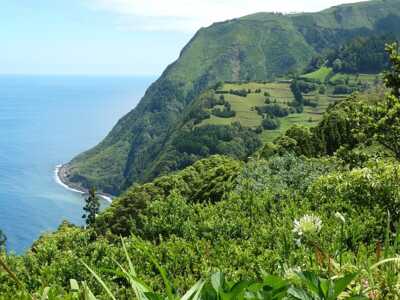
(246, 233)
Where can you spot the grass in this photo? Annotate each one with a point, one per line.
(280, 92)
(245, 111)
(353, 78)
(321, 74)
(307, 119)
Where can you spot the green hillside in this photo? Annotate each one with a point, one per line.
(313, 215)
(254, 48)
(279, 92)
(255, 95)
(235, 119)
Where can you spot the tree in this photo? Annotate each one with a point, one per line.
(270, 122)
(91, 208)
(3, 239)
(337, 65)
(304, 140)
(392, 77)
(387, 127)
(298, 96)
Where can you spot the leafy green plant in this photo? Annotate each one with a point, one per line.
(323, 289)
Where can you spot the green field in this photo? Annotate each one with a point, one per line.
(371, 79)
(244, 107)
(321, 74)
(279, 91)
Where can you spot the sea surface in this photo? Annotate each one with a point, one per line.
(45, 121)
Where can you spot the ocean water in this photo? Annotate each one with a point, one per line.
(46, 121)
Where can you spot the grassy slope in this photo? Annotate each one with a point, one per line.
(247, 116)
(256, 47)
(319, 74)
(244, 106)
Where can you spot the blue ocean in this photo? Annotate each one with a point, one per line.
(45, 121)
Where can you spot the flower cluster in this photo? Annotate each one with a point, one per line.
(307, 226)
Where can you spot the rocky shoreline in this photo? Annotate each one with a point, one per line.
(62, 173)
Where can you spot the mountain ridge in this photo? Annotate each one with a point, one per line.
(256, 47)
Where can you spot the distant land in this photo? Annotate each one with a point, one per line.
(259, 47)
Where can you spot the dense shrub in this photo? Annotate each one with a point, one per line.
(374, 188)
(212, 101)
(240, 93)
(342, 89)
(199, 115)
(279, 174)
(298, 96)
(253, 223)
(311, 103)
(306, 87)
(361, 55)
(207, 180)
(273, 109)
(208, 138)
(339, 127)
(226, 112)
(270, 123)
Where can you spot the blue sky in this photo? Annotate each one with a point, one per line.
(138, 37)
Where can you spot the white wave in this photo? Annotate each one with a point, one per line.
(60, 182)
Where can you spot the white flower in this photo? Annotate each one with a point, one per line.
(340, 217)
(308, 225)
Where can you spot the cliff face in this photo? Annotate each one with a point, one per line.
(257, 47)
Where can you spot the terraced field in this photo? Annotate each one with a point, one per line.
(278, 92)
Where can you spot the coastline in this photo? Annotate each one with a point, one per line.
(60, 178)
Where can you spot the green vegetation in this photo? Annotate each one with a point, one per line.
(319, 75)
(3, 239)
(205, 211)
(272, 105)
(313, 215)
(360, 55)
(250, 229)
(270, 123)
(259, 47)
(91, 208)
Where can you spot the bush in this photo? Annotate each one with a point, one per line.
(342, 89)
(273, 109)
(223, 113)
(240, 93)
(374, 188)
(258, 130)
(306, 87)
(311, 103)
(299, 109)
(199, 115)
(270, 123)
